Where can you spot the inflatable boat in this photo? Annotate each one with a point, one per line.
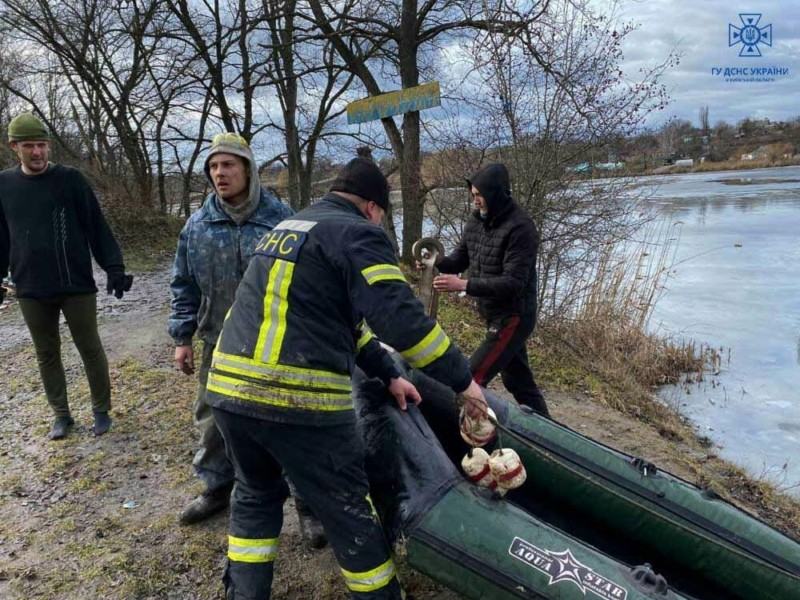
(589, 521)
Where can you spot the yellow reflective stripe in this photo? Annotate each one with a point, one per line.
(252, 550)
(288, 370)
(281, 374)
(283, 306)
(374, 512)
(384, 272)
(429, 349)
(366, 336)
(282, 397)
(276, 303)
(369, 581)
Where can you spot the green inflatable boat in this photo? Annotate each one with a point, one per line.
(589, 522)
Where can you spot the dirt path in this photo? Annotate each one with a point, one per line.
(97, 517)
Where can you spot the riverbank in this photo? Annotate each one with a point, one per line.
(728, 165)
(97, 517)
(603, 379)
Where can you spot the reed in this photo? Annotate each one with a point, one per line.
(604, 328)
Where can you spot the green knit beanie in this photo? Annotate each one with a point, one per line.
(26, 128)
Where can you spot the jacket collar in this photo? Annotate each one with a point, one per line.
(263, 214)
(496, 219)
(337, 200)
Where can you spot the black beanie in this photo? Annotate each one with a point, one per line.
(363, 178)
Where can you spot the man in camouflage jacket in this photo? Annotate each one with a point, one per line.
(214, 250)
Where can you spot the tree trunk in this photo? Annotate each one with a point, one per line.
(409, 161)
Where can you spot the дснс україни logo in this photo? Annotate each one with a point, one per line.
(750, 35)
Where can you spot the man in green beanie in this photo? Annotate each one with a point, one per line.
(50, 227)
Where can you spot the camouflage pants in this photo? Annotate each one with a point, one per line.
(210, 462)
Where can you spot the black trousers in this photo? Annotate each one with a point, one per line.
(326, 465)
(504, 351)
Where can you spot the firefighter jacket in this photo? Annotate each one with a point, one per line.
(289, 344)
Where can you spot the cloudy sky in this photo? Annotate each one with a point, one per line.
(698, 29)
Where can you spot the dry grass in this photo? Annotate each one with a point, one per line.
(733, 164)
(738, 165)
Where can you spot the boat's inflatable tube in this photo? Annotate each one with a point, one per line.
(467, 537)
(700, 543)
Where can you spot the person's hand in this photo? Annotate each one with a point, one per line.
(403, 390)
(184, 359)
(449, 283)
(118, 283)
(474, 402)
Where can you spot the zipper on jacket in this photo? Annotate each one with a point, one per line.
(239, 250)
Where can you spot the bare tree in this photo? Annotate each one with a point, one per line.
(309, 82)
(704, 122)
(554, 127)
(384, 44)
(101, 54)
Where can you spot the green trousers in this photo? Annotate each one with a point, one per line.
(80, 312)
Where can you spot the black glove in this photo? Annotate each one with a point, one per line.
(118, 283)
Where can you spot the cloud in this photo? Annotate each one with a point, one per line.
(699, 32)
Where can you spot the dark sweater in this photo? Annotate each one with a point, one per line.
(50, 226)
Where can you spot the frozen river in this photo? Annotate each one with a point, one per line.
(737, 286)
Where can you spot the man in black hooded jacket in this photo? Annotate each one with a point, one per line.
(499, 247)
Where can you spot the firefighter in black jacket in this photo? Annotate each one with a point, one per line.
(280, 380)
(499, 247)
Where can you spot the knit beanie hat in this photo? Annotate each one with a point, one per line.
(231, 143)
(27, 128)
(363, 178)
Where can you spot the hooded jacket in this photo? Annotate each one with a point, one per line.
(213, 254)
(499, 250)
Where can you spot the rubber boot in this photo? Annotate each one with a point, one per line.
(102, 423)
(206, 505)
(310, 528)
(60, 427)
